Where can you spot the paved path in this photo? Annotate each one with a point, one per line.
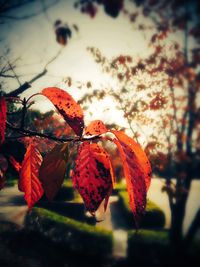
(113, 220)
(12, 205)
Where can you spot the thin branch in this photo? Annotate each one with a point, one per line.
(183, 122)
(174, 106)
(54, 57)
(50, 137)
(7, 76)
(39, 75)
(19, 90)
(15, 75)
(27, 85)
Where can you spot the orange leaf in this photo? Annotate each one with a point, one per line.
(3, 110)
(92, 176)
(53, 169)
(29, 182)
(95, 128)
(137, 172)
(67, 107)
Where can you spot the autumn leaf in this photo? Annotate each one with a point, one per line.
(62, 31)
(29, 182)
(67, 107)
(137, 172)
(92, 175)
(53, 169)
(95, 128)
(3, 110)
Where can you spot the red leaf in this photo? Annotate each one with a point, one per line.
(95, 128)
(3, 168)
(92, 176)
(3, 110)
(29, 182)
(15, 163)
(67, 107)
(53, 169)
(137, 172)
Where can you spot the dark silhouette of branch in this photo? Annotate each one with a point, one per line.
(19, 90)
(174, 107)
(15, 75)
(193, 229)
(7, 76)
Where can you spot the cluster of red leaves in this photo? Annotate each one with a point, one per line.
(93, 174)
(158, 102)
(62, 32)
(90, 7)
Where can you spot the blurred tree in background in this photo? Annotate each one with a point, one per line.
(162, 90)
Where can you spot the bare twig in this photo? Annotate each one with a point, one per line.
(27, 85)
(15, 75)
(26, 132)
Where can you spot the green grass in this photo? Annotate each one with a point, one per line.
(120, 186)
(67, 183)
(147, 247)
(148, 236)
(66, 192)
(68, 222)
(11, 182)
(79, 237)
(154, 217)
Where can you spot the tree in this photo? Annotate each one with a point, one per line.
(182, 75)
(170, 80)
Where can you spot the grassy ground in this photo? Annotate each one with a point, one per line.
(152, 248)
(154, 216)
(77, 236)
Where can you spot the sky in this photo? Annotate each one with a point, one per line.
(33, 42)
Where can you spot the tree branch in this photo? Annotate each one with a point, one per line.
(50, 137)
(193, 229)
(19, 90)
(27, 85)
(15, 75)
